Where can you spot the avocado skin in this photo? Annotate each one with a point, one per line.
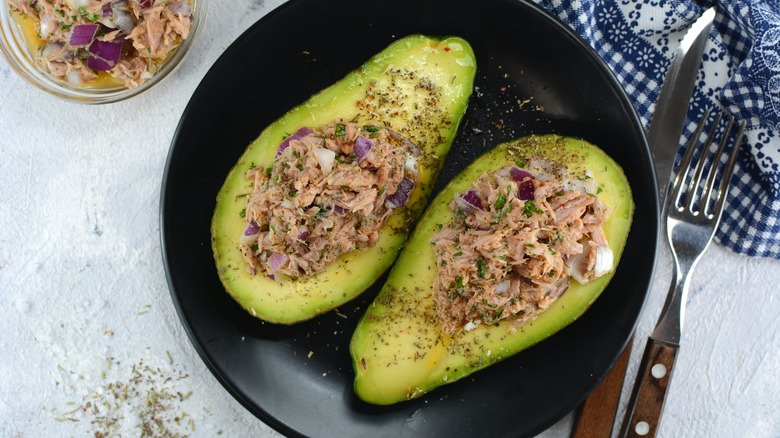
(419, 86)
(398, 349)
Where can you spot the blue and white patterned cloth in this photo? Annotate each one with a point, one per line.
(740, 72)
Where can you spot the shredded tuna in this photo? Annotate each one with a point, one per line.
(148, 34)
(159, 30)
(323, 197)
(510, 258)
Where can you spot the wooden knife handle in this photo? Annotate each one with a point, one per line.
(646, 404)
(596, 415)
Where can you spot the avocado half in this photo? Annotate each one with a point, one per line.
(399, 350)
(418, 86)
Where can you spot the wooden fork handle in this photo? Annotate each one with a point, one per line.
(596, 415)
(646, 404)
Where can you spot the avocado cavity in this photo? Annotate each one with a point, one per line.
(515, 248)
(373, 145)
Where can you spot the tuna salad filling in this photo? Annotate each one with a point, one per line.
(517, 238)
(329, 191)
(125, 41)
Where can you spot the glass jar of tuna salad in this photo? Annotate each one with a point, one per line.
(97, 51)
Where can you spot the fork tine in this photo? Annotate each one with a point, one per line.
(682, 171)
(706, 201)
(693, 186)
(725, 181)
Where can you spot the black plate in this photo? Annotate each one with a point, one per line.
(301, 48)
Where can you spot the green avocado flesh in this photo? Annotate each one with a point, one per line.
(418, 86)
(399, 350)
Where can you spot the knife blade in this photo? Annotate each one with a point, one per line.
(671, 108)
(596, 416)
(645, 405)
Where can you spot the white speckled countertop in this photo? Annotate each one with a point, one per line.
(85, 312)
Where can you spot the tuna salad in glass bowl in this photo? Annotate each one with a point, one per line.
(97, 51)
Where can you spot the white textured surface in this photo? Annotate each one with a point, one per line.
(725, 381)
(84, 301)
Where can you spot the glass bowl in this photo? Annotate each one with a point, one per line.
(14, 48)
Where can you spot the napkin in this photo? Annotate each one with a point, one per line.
(740, 72)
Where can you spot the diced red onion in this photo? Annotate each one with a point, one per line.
(604, 261)
(559, 288)
(180, 8)
(82, 35)
(413, 148)
(303, 232)
(520, 174)
(362, 147)
(469, 202)
(98, 63)
(75, 4)
(116, 16)
(401, 195)
(146, 3)
(123, 20)
(578, 268)
(326, 158)
(410, 163)
(276, 261)
(335, 209)
(73, 77)
(103, 55)
(525, 188)
(251, 229)
(50, 48)
(503, 287)
(299, 134)
(48, 25)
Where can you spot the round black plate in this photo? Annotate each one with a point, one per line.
(298, 379)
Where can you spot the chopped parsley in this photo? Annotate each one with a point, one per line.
(481, 267)
(530, 208)
(341, 130)
(88, 15)
(496, 317)
(500, 202)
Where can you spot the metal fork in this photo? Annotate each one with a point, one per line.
(695, 206)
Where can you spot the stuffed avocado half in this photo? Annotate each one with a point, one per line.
(430, 326)
(411, 97)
